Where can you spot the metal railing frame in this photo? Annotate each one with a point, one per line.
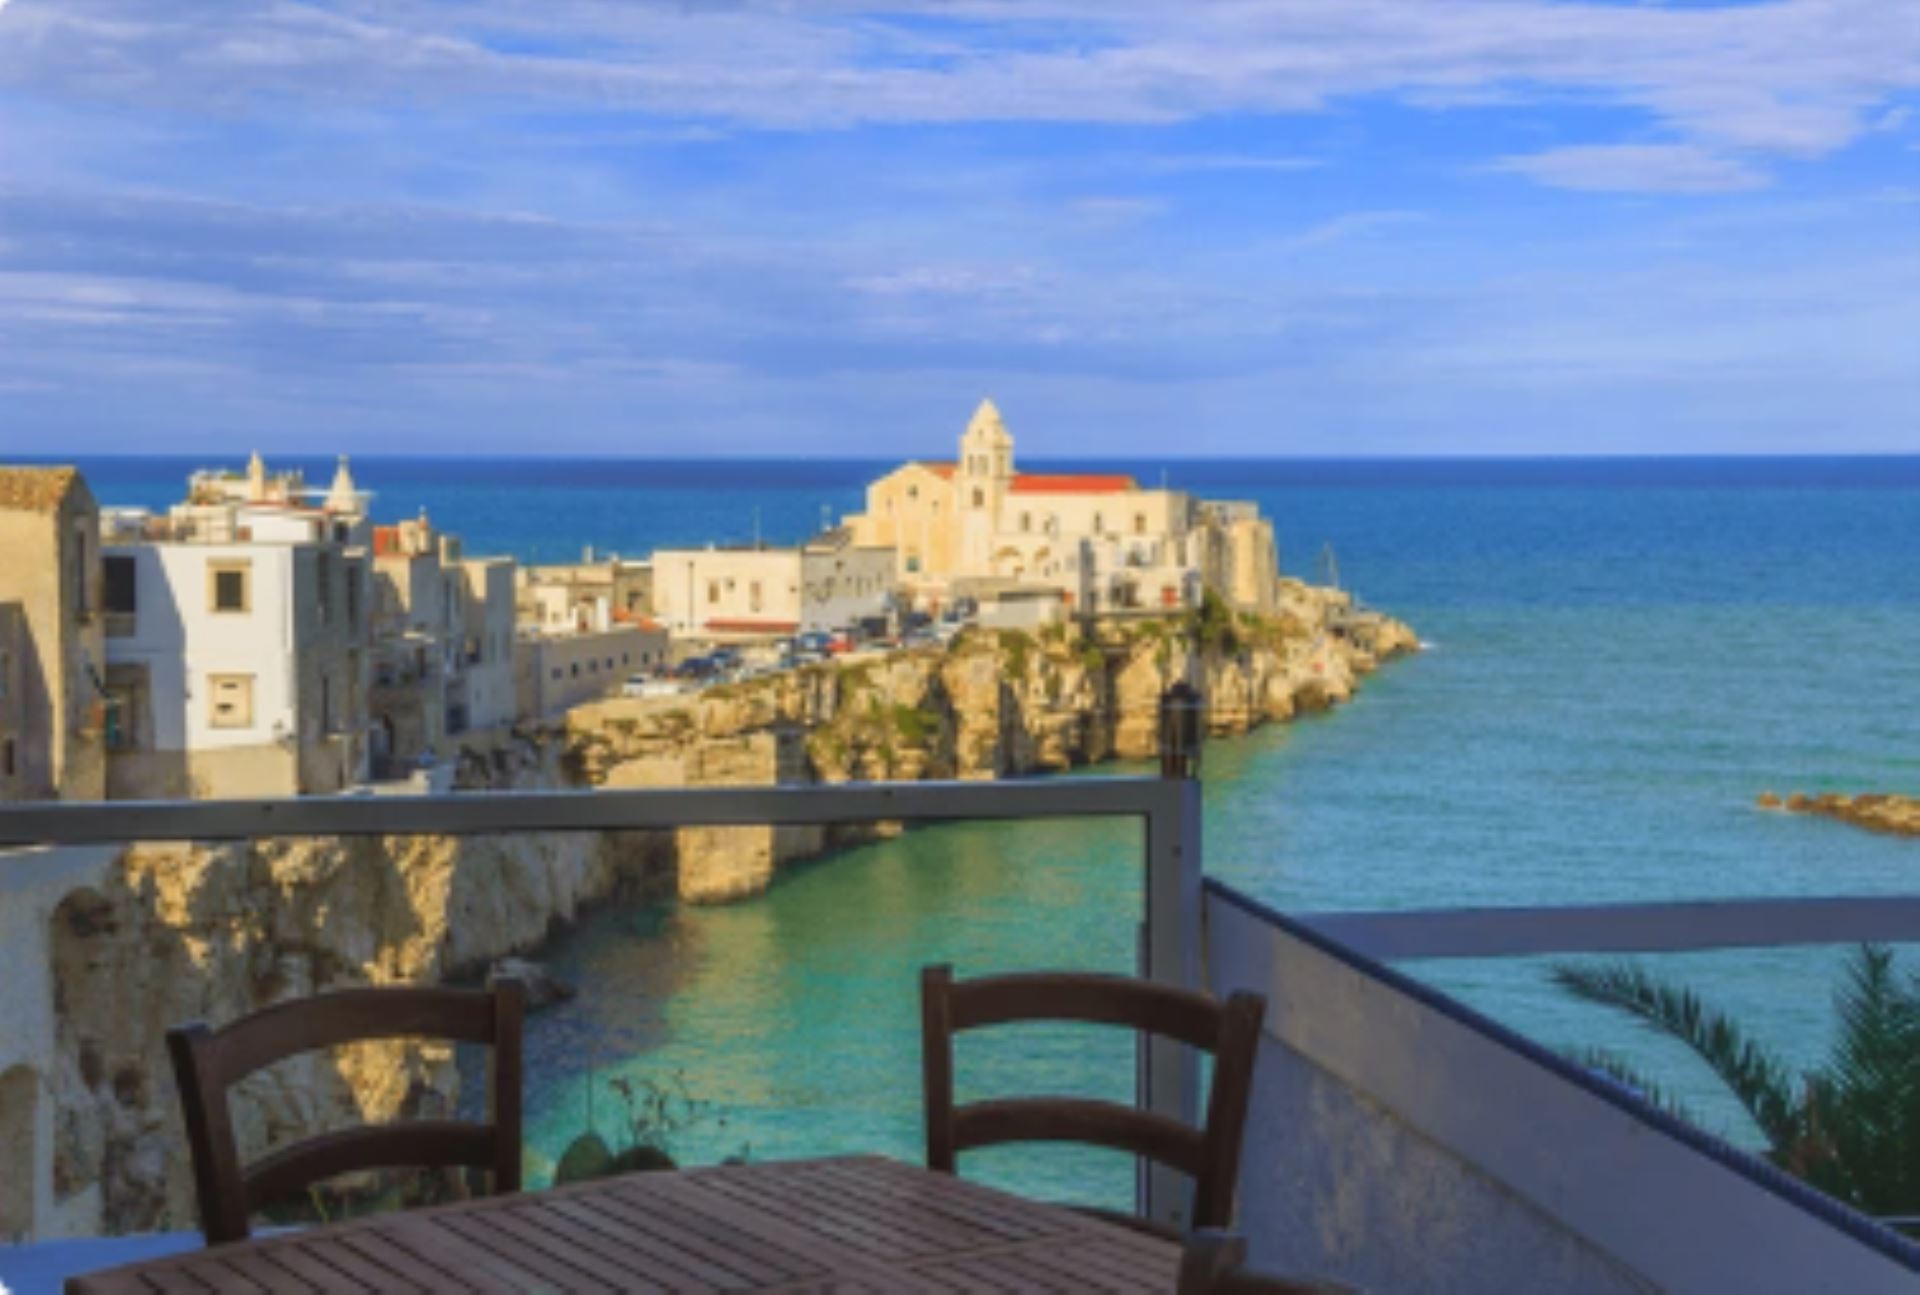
(1167, 808)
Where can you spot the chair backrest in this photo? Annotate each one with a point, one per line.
(1209, 1155)
(207, 1062)
(1215, 1263)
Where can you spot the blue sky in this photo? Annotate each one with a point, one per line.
(1259, 227)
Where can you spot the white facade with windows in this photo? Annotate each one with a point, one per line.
(235, 669)
(829, 583)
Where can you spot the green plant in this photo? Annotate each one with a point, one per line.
(1850, 1127)
(1212, 624)
(916, 727)
(1014, 647)
(654, 1112)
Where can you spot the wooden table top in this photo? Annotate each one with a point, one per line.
(856, 1224)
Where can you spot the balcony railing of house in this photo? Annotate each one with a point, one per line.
(1398, 1139)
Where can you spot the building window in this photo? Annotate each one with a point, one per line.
(8, 766)
(913, 561)
(118, 594)
(1139, 523)
(556, 672)
(1026, 521)
(229, 586)
(979, 497)
(753, 596)
(353, 600)
(326, 703)
(713, 591)
(231, 701)
(913, 492)
(1096, 523)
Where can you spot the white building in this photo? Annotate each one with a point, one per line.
(236, 645)
(829, 583)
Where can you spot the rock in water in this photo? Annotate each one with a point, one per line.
(1889, 813)
(544, 989)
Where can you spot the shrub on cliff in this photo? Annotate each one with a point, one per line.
(1212, 624)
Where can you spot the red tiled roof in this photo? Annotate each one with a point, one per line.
(1045, 483)
(939, 469)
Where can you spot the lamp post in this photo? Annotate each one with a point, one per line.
(1181, 710)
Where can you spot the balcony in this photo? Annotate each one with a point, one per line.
(1399, 1139)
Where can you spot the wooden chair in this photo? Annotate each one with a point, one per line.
(1214, 1263)
(207, 1062)
(1209, 1155)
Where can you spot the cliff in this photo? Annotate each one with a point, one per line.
(1886, 812)
(173, 933)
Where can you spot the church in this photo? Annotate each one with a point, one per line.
(1107, 544)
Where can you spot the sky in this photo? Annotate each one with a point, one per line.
(1254, 227)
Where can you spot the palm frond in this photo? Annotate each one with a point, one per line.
(1611, 1065)
(1757, 1078)
(1866, 1099)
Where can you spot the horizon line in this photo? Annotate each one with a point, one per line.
(1598, 456)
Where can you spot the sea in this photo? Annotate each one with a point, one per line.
(1622, 654)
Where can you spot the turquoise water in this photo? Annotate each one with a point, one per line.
(1625, 653)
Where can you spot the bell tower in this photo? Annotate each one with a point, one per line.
(983, 477)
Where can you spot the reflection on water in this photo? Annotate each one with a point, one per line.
(797, 1015)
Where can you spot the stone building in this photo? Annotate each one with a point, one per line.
(50, 575)
(555, 672)
(585, 595)
(1109, 544)
(237, 640)
(756, 591)
(443, 630)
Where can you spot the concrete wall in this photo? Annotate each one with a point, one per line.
(555, 672)
(840, 587)
(33, 886)
(1398, 1142)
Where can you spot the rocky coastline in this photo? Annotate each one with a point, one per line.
(179, 932)
(1888, 813)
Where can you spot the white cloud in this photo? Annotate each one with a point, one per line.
(1635, 168)
(1788, 77)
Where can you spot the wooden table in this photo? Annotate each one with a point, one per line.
(856, 1224)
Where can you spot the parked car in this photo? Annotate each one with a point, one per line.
(696, 667)
(644, 685)
(812, 641)
(841, 643)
